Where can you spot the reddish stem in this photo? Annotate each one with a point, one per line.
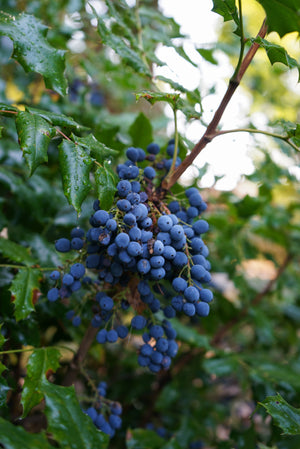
(211, 130)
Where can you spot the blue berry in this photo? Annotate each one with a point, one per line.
(132, 154)
(122, 331)
(55, 275)
(76, 243)
(63, 245)
(200, 227)
(206, 295)
(101, 336)
(156, 331)
(76, 321)
(77, 270)
(164, 223)
(106, 303)
(202, 309)
(138, 322)
(53, 294)
(149, 172)
(153, 148)
(191, 294)
(124, 187)
(179, 284)
(122, 240)
(112, 336)
(111, 224)
(100, 217)
(143, 266)
(67, 279)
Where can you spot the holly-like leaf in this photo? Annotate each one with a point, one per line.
(25, 291)
(75, 164)
(276, 53)
(41, 362)
(7, 110)
(34, 137)
(97, 149)
(141, 131)
(106, 182)
(64, 412)
(33, 51)
(228, 10)
(15, 252)
(173, 84)
(57, 119)
(283, 16)
(128, 55)
(154, 97)
(285, 416)
(15, 437)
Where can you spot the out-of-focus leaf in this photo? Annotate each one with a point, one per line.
(106, 182)
(33, 51)
(57, 119)
(285, 416)
(190, 335)
(208, 55)
(141, 131)
(25, 291)
(15, 252)
(154, 97)
(127, 54)
(41, 362)
(142, 439)
(15, 437)
(75, 164)
(34, 136)
(276, 53)
(222, 366)
(172, 83)
(64, 412)
(97, 149)
(282, 15)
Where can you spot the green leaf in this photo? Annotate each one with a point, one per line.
(97, 149)
(285, 416)
(154, 97)
(34, 138)
(15, 437)
(2, 340)
(64, 412)
(172, 83)
(283, 16)
(144, 439)
(141, 131)
(190, 335)
(105, 185)
(40, 363)
(5, 109)
(24, 291)
(276, 53)
(32, 50)
(223, 366)
(228, 10)
(75, 166)
(15, 252)
(4, 388)
(128, 55)
(208, 55)
(57, 119)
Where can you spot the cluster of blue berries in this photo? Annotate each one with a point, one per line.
(105, 414)
(143, 256)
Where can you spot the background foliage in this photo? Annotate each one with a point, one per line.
(235, 382)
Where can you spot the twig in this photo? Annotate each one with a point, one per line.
(259, 131)
(211, 130)
(83, 349)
